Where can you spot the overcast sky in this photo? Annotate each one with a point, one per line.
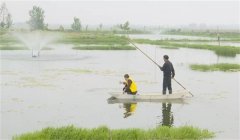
(137, 12)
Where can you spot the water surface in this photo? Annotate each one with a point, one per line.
(60, 88)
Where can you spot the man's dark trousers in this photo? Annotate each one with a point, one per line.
(167, 84)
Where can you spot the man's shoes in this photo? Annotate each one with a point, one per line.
(164, 92)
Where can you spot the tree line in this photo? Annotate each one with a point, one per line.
(36, 21)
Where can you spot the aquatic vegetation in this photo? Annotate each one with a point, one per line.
(219, 50)
(104, 133)
(34, 82)
(75, 70)
(216, 67)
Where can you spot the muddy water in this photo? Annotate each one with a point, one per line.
(71, 87)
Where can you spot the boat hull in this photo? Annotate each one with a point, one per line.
(151, 97)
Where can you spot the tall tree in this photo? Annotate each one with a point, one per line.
(9, 21)
(36, 21)
(5, 17)
(86, 28)
(76, 26)
(125, 26)
(61, 28)
(100, 26)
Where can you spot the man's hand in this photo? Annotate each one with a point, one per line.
(120, 82)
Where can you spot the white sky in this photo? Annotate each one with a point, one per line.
(137, 12)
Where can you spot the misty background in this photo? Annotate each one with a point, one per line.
(190, 14)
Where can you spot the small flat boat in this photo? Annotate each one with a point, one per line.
(151, 96)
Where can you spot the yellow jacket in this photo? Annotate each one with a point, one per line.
(133, 86)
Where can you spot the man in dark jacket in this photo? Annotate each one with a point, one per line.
(168, 73)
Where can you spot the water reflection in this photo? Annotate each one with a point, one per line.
(167, 115)
(167, 118)
(130, 108)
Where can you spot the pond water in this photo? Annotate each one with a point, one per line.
(67, 87)
(169, 37)
(212, 40)
(222, 43)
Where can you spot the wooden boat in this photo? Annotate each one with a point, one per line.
(151, 96)
(177, 97)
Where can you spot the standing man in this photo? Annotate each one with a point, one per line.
(168, 73)
(130, 86)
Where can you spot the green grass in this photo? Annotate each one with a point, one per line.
(105, 47)
(173, 48)
(216, 67)
(104, 133)
(90, 38)
(132, 31)
(12, 48)
(8, 38)
(219, 50)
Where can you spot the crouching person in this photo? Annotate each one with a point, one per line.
(130, 86)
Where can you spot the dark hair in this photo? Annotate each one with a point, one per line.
(126, 76)
(165, 57)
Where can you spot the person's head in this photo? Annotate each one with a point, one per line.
(165, 57)
(126, 76)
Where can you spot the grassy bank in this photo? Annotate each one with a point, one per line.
(104, 47)
(216, 67)
(132, 31)
(219, 50)
(8, 39)
(81, 40)
(12, 48)
(89, 38)
(110, 41)
(9, 42)
(95, 41)
(104, 133)
(231, 36)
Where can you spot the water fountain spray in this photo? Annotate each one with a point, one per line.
(35, 40)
